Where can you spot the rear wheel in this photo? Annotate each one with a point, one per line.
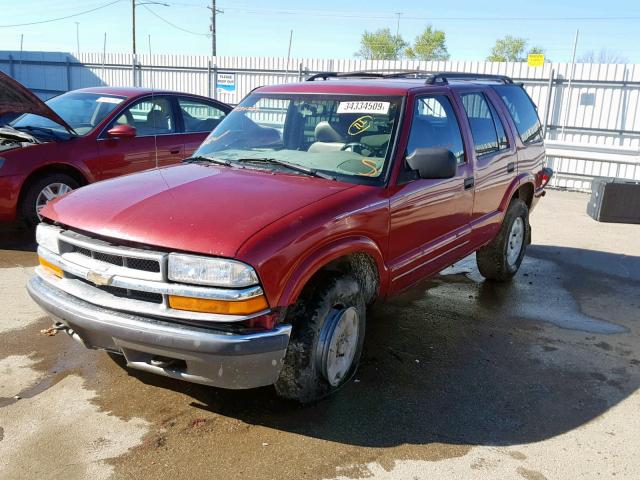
(327, 338)
(501, 259)
(41, 192)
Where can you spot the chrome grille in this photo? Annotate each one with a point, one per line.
(122, 292)
(129, 279)
(119, 260)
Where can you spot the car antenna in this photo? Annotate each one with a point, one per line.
(155, 133)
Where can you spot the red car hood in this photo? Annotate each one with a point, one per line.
(16, 98)
(198, 208)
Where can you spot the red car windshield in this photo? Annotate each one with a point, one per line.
(81, 110)
(346, 136)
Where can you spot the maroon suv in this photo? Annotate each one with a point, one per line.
(91, 134)
(253, 262)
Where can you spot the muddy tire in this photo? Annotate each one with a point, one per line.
(501, 259)
(326, 342)
(40, 190)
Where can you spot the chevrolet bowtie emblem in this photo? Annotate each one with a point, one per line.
(99, 278)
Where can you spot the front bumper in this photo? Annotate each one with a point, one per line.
(198, 355)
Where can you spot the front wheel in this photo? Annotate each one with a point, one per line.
(42, 191)
(501, 259)
(326, 342)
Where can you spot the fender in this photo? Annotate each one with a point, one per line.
(81, 169)
(520, 180)
(302, 272)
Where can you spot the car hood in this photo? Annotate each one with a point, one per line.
(199, 208)
(16, 98)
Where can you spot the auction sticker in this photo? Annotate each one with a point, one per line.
(109, 100)
(380, 108)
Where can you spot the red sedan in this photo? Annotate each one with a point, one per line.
(91, 134)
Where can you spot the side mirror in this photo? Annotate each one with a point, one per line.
(122, 131)
(433, 163)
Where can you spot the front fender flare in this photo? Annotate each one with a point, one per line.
(310, 264)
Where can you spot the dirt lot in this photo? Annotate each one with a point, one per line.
(460, 379)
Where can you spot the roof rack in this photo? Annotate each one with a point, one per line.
(430, 78)
(445, 77)
(389, 73)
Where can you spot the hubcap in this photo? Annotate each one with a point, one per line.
(340, 345)
(48, 193)
(515, 241)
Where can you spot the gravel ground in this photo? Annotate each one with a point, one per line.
(460, 379)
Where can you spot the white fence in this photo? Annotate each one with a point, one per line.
(590, 112)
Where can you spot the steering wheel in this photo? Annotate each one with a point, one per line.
(356, 147)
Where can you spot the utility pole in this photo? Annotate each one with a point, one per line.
(398, 35)
(133, 24)
(135, 3)
(214, 10)
(77, 38)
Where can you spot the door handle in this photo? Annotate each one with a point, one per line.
(469, 182)
(174, 151)
(511, 167)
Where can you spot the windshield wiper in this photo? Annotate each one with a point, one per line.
(203, 158)
(291, 166)
(48, 131)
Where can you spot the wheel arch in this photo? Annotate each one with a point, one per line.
(359, 257)
(51, 169)
(521, 187)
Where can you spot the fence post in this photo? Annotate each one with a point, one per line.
(548, 102)
(133, 69)
(300, 72)
(215, 81)
(12, 72)
(68, 65)
(209, 78)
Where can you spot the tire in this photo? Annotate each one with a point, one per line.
(501, 259)
(316, 363)
(31, 199)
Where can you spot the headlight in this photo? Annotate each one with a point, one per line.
(210, 271)
(47, 237)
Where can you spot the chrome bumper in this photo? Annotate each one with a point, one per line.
(188, 353)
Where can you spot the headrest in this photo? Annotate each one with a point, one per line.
(157, 119)
(324, 132)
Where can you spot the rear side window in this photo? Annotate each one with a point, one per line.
(503, 143)
(522, 111)
(434, 125)
(483, 127)
(199, 116)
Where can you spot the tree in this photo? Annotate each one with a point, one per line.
(380, 45)
(603, 56)
(511, 49)
(430, 45)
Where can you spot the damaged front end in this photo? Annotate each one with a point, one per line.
(10, 138)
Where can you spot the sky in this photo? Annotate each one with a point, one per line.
(328, 29)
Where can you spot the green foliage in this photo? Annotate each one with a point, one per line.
(430, 45)
(508, 49)
(511, 49)
(380, 45)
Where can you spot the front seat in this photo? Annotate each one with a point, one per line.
(157, 122)
(327, 139)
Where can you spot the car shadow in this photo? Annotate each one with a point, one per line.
(459, 360)
(17, 246)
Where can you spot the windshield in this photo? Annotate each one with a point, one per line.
(81, 110)
(348, 137)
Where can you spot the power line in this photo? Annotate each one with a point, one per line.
(383, 15)
(61, 18)
(173, 24)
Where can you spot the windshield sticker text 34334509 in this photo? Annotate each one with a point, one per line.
(380, 108)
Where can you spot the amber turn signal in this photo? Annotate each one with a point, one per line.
(50, 267)
(205, 305)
